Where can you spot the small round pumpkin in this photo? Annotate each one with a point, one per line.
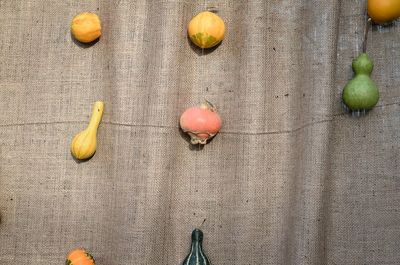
(79, 257)
(86, 27)
(383, 11)
(206, 29)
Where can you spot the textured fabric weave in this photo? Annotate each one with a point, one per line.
(290, 179)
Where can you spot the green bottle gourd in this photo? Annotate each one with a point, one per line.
(196, 255)
(361, 93)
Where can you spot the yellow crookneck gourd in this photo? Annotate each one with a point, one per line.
(84, 144)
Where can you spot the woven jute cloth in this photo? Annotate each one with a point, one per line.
(292, 178)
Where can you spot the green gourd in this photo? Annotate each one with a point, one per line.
(196, 255)
(361, 93)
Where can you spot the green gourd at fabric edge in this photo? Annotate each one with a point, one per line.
(361, 93)
(196, 255)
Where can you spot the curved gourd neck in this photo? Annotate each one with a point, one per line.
(97, 114)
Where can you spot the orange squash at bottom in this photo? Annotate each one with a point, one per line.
(79, 257)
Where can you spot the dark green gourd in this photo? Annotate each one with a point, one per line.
(361, 93)
(196, 255)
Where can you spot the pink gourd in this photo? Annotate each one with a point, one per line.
(201, 123)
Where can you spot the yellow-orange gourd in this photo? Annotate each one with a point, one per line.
(79, 257)
(86, 27)
(84, 144)
(383, 11)
(206, 29)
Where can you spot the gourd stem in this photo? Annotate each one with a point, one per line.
(367, 26)
(212, 9)
(202, 223)
(97, 114)
(207, 105)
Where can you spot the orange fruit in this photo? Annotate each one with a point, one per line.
(383, 11)
(86, 27)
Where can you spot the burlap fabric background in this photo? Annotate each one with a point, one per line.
(291, 178)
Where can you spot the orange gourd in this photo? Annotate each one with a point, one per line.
(383, 11)
(86, 27)
(206, 29)
(79, 257)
